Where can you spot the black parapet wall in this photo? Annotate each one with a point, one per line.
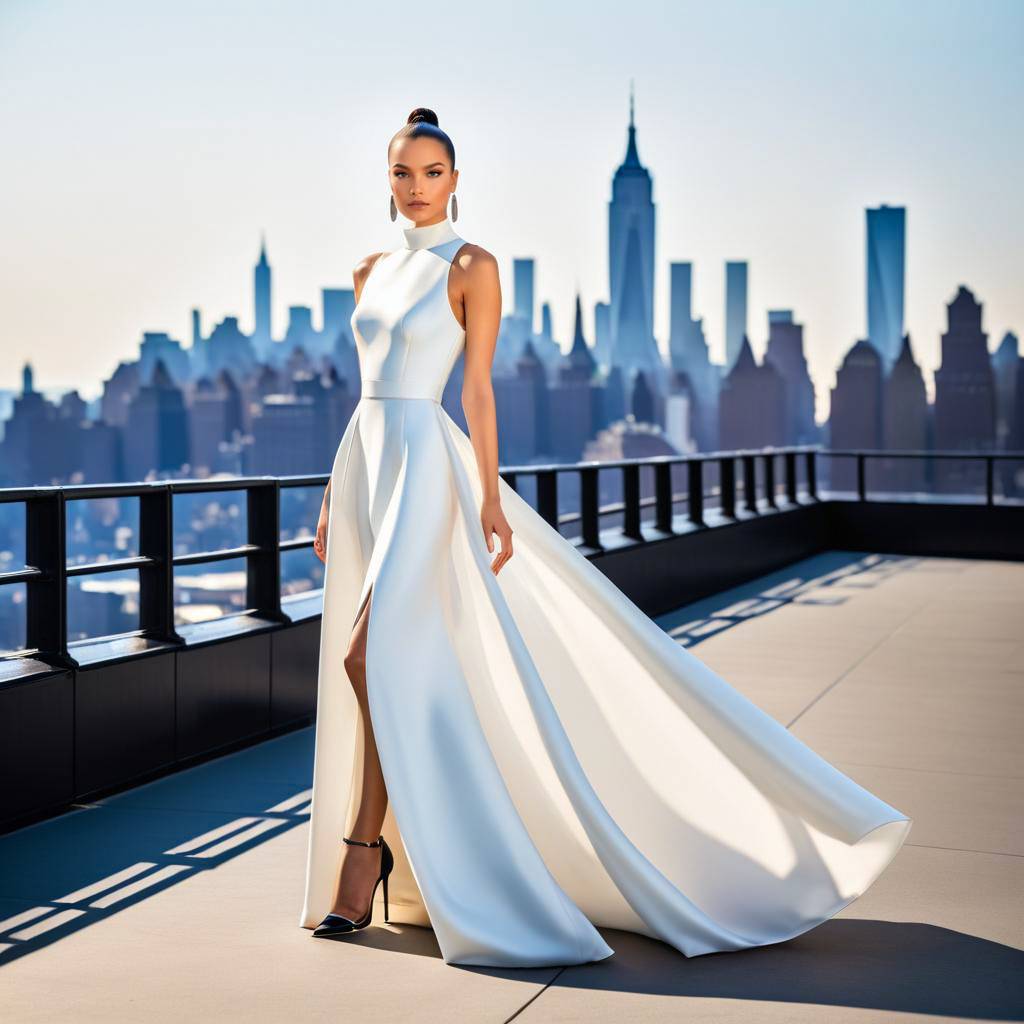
(82, 721)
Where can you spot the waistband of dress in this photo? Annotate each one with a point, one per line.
(395, 389)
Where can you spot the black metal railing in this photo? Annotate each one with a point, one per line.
(862, 458)
(46, 571)
(665, 498)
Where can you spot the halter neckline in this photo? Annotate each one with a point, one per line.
(430, 235)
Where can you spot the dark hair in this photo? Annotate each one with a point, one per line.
(422, 123)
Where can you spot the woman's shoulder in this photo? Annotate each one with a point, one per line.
(367, 262)
(364, 266)
(475, 259)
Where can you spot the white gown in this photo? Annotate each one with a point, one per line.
(554, 760)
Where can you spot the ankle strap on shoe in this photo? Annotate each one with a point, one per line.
(359, 842)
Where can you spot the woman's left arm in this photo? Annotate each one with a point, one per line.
(481, 302)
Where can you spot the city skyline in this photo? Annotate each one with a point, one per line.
(195, 246)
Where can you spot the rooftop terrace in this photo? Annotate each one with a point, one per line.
(179, 899)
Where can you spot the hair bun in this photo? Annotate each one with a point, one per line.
(422, 114)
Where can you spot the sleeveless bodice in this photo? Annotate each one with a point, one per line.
(406, 334)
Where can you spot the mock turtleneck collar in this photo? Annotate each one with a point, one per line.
(430, 235)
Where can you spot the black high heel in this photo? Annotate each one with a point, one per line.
(336, 924)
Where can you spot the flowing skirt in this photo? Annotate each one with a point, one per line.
(554, 760)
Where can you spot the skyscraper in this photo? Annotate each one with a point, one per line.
(631, 262)
(574, 399)
(522, 282)
(689, 358)
(262, 329)
(735, 311)
(965, 395)
(785, 351)
(886, 257)
(904, 424)
(855, 413)
(680, 299)
(751, 409)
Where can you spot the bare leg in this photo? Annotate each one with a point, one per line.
(360, 865)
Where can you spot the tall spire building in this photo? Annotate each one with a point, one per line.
(262, 333)
(631, 263)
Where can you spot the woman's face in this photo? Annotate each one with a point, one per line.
(421, 179)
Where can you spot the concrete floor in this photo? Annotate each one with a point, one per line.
(180, 900)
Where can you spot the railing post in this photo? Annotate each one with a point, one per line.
(990, 486)
(156, 581)
(791, 489)
(663, 496)
(727, 473)
(769, 479)
(590, 518)
(749, 483)
(263, 567)
(695, 491)
(547, 496)
(46, 597)
(631, 501)
(812, 473)
(861, 489)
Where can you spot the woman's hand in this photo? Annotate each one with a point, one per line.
(493, 520)
(320, 541)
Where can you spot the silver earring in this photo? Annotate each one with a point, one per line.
(455, 207)
(394, 209)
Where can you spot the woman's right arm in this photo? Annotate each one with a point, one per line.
(320, 540)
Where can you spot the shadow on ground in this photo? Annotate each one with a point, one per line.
(63, 874)
(896, 966)
(820, 579)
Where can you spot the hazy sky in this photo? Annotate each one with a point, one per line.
(145, 146)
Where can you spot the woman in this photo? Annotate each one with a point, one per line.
(511, 746)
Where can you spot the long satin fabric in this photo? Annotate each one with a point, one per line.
(554, 761)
